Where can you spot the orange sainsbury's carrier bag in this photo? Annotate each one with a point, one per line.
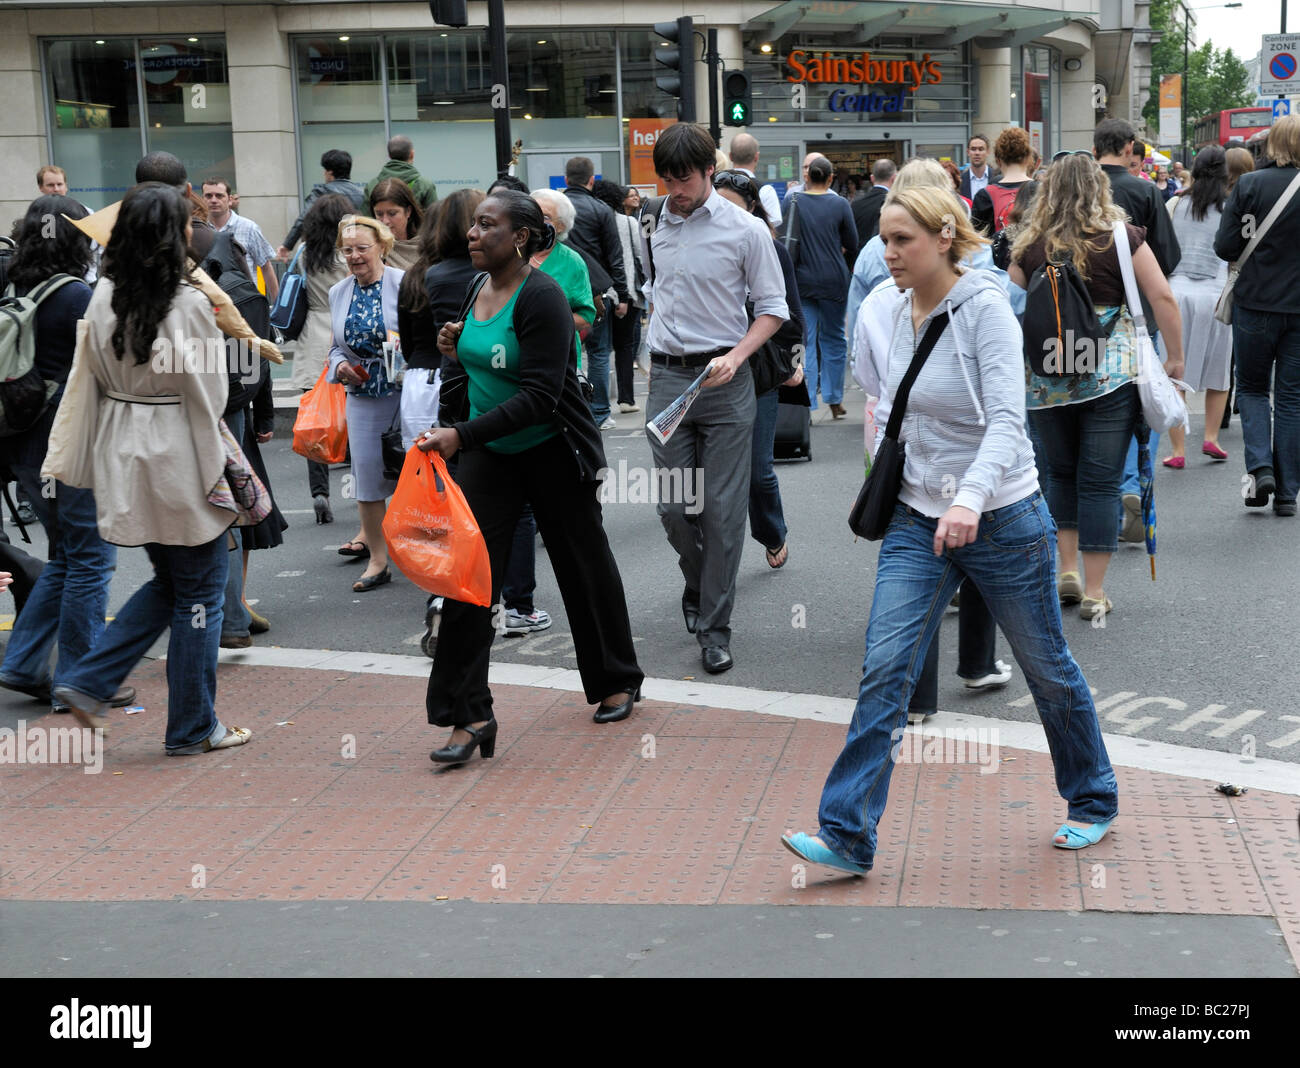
(320, 432)
(432, 535)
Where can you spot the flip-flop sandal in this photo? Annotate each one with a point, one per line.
(1080, 837)
(361, 554)
(776, 558)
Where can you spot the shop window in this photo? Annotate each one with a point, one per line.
(95, 117)
(187, 103)
(341, 104)
(105, 113)
(1039, 89)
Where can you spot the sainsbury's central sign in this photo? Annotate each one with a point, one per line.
(897, 77)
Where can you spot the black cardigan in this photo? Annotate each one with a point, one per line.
(548, 381)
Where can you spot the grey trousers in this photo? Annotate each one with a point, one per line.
(705, 468)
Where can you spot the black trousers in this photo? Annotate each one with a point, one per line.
(977, 637)
(567, 510)
(627, 339)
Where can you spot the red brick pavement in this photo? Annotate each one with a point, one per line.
(335, 798)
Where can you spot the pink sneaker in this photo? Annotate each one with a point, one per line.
(1213, 451)
(1176, 462)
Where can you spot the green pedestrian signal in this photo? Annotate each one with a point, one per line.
(738, 100)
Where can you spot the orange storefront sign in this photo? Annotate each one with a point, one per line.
(862, 69)
(642, 135)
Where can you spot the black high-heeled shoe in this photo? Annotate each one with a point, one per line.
(484, 738)
(614, 713)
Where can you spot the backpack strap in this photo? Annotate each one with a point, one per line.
(652, 208)
(50, 285)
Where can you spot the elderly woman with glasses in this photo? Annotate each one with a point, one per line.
(363, 315)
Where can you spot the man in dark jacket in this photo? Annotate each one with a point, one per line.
(866, 209)
(1112, 144)
(401, 156)
(977, 174)
(337, 165)
(595, 234)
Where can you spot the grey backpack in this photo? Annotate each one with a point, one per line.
(24, 394)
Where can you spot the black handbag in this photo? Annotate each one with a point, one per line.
(878, 497)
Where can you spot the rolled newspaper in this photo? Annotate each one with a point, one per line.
(663, 424)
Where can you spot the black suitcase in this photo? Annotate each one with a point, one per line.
(793, 433)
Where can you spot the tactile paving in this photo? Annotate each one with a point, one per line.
(678, 804)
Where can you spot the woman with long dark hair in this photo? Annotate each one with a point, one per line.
(394, 205)
(139, 426)
(68, 601)
(1197, 282)
(525, 434)
(322, 267)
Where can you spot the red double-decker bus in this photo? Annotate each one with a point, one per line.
(1231, 124)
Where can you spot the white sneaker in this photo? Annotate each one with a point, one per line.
(913, 718)
(518, 624)
(624, 407)
(1000, 677)
(609, 423)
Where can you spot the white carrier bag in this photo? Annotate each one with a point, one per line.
(1162, 407)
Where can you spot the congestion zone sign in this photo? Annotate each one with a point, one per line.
(1281, 52)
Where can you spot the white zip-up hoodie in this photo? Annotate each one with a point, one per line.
(964, 427)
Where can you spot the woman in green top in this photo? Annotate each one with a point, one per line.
(565, 265)
(528, 437)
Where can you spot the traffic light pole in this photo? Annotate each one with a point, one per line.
(713, 60)
(500, 76)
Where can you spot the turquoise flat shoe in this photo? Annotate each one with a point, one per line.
(1081, 837)
(808, 848)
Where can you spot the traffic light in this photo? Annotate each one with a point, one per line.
(681, 60)
(450, 12)
(737, 98)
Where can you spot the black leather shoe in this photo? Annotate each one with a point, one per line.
(40, 691)
(717, 659)
(614, 713)
(1283, 508)
(484, 738)
(691, 609)
(1264, 486)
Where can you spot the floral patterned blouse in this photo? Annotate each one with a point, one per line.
(364, 333)
(1118, 367)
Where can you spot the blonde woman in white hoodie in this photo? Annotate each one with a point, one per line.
(969, 507)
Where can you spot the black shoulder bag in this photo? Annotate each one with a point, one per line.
(878, 497)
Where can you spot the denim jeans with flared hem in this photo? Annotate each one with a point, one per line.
(185, 594)
(1012, 562)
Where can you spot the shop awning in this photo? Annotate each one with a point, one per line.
(852, 25)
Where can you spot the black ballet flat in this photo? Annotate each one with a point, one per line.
(484, 738)
(364, 584)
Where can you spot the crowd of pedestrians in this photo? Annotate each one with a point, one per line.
(508, 305)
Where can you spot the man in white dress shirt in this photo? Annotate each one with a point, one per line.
(705, 256)
(744, 157)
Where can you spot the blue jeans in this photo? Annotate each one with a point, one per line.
(1085, 445)
(235, 619)
(766, 516)
(186, 594)
(70, 597)
(1011, 561)
(598, 345)
(825, 349)
(1268, 353)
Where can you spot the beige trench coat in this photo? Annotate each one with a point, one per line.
(150, 465)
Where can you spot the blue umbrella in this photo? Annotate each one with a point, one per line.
(1147, 485)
